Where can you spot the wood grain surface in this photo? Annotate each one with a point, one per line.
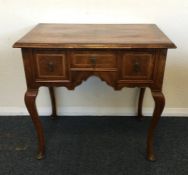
(95, 36)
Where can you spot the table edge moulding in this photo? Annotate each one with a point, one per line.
(122, 55)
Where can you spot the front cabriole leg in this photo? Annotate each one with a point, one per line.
(159, 100)
(30, 101)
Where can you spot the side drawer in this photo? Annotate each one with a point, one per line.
(50, 65)
(137, 65)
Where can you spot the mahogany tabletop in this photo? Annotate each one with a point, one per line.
(46, 35)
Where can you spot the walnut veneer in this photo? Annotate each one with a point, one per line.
(126, 55)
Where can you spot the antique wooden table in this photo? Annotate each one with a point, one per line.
(126, 55)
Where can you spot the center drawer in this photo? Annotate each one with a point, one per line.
(93, 60)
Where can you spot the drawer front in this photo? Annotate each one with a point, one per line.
(137, 65)
(51, 65)
(90, 60)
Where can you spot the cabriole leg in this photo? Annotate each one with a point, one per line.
(53, 102)
(30, 101)
(159, 106)
(140, 103)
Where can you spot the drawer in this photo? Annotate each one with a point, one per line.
(137, 65)
(90, 60)
(50, 65)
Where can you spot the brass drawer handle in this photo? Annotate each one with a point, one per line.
(50, 66)
(93, 61)
(136, 67)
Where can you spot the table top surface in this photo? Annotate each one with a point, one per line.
(46, 35)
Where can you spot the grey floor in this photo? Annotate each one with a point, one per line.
(93, 146)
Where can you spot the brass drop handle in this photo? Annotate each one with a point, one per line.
(136, 67)
(93, 61)
(50, 66)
